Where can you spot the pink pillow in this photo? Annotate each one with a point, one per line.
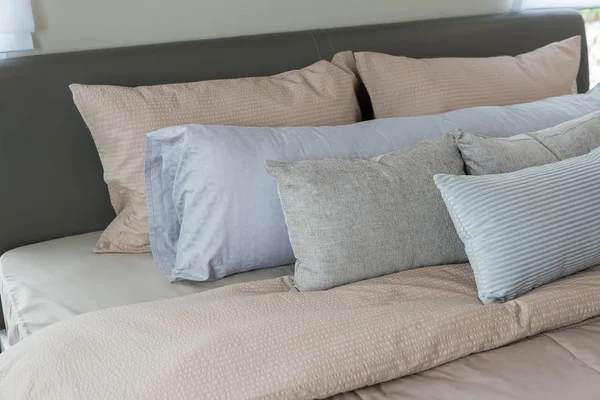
(402, 86)
(120, 117)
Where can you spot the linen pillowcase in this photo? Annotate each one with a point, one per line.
(353, 220)
(120, 117)
(487, 155)
(214, 210)
(403, 86)
(527, 228)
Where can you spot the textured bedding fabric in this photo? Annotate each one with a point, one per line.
(558, 365)
(214, 210)
(526, 228)
(120, 117)
(261, 340)
(403, 86)
(48, 282)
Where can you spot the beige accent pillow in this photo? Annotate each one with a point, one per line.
(120, 117)
(402, 86)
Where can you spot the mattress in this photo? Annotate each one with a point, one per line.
(48, 282)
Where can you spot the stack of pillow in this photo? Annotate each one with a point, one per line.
(253, 173)
(353, 220)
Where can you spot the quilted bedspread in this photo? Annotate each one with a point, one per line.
(262, 340)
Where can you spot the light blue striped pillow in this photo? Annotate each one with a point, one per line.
(527, 228)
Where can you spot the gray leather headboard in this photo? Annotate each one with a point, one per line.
(50, 175)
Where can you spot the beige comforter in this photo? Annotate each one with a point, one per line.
(261, 340)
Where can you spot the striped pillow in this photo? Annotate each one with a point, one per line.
(527, 228)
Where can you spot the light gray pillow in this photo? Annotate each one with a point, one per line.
(527, 228)
(488, 155)
(354, 220)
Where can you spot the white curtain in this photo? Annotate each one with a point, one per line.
(16, 25)
(525, 4)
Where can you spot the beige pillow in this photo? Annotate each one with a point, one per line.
(402, 86)
(120, 117)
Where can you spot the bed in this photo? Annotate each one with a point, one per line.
(53, 200)
(59, 279)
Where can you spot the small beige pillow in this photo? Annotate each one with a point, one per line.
(402, 86)
(120, 117)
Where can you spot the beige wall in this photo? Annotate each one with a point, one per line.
(67, 25)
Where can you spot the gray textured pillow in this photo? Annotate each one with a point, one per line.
(488, 155)
(354, 220)
(527, 228)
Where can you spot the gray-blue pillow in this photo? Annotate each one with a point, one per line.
(527, 228)
(214, 210)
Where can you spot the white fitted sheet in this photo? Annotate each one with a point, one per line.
(48, 282)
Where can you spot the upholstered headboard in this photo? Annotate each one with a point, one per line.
(50, 175)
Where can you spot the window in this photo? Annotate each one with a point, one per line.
(16, 25)
(525, 4)
(590, 9)
(592, 24)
